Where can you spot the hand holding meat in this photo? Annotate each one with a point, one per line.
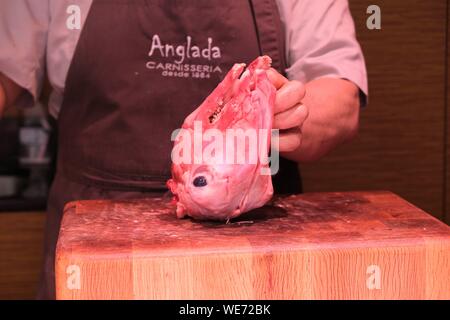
(290, 112)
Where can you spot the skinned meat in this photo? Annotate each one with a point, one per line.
(216, 189)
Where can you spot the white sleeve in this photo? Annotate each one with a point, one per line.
(23, 38)
(321, 41)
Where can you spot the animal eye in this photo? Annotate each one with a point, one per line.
(200, 181)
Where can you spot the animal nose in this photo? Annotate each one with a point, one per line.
(200, 181)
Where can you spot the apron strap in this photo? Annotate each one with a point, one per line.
(270, 32)
(271, 39)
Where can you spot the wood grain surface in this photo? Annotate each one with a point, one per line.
(311, 246)
(21, 244)
(400, 143)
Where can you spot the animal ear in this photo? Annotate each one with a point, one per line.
(263, 62)
(229, 80)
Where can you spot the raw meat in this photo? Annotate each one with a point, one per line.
(219, 189)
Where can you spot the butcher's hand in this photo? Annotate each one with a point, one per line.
(314, 118)
(290, 113)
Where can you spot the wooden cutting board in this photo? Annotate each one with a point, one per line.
(358, 245)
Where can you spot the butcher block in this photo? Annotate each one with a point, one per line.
(356, 245)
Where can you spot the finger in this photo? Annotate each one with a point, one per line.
(291, 118)
(289, 95)
(276, 78)
(290, 140)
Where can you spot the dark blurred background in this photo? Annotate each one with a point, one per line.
(403, 143)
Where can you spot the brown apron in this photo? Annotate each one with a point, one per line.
(140, 67)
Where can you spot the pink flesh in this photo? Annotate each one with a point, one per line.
(244, 99)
